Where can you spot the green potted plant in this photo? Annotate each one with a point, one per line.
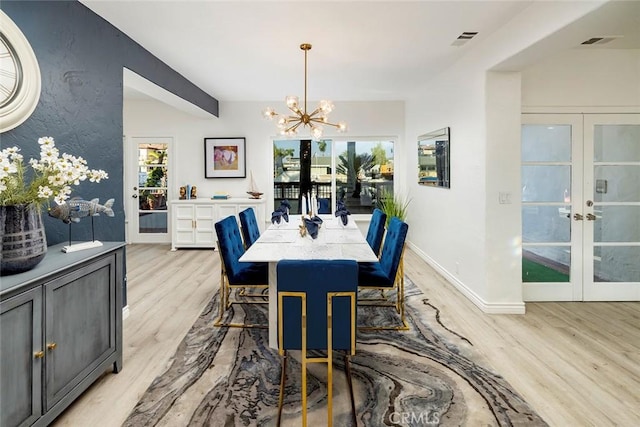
(393, 205)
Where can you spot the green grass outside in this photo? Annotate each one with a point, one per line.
(534, 272)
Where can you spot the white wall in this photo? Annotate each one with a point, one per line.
(447, 226)
(584, 78)
(464, 232)
(243, 119)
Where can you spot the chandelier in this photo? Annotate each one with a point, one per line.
(290, 124)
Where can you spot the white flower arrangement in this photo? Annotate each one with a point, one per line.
(52, 177)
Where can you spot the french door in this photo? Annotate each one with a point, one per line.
(147, 186)
(581, 207)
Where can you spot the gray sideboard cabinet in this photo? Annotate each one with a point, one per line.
(60, 330)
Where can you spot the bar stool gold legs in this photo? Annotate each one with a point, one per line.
(306, 360)
(226, 302)
(398, 304)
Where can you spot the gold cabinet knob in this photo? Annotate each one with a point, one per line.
(38, 354)
(52, 345)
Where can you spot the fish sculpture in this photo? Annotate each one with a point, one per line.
(77, 208)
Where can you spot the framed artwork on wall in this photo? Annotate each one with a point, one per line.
(225, 158)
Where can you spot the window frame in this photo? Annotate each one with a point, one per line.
(332, 142)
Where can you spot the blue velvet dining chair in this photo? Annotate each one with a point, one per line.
(375, 233)
(249, 227)
(235, 274)
(387, 274)
(317, 311)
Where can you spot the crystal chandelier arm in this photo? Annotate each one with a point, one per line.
(321, 121)
(294, 127)
(335, 125)
(341, 126)
(316, 111)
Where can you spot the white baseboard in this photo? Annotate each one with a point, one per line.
(486, 307)
(125, 312)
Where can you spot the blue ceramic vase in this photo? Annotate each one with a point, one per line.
(24, 243)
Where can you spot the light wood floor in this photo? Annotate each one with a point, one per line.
(577, 364)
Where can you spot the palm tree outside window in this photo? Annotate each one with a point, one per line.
(358, 172)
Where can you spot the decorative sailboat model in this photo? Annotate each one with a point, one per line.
(253, 189)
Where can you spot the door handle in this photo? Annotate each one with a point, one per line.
(135, 196)
(591, 217)
(578, 217)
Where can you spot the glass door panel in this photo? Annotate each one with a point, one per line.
(616, 264)
(612, 240)
(150, 222)
(152, 190)
(549, 234)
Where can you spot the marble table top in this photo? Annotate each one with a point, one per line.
(334, 241)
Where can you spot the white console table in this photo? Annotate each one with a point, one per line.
(192, 221)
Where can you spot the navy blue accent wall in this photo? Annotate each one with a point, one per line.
(81, 57)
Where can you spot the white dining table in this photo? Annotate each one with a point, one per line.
(284, 241)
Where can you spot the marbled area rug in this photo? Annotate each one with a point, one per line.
(424, 376)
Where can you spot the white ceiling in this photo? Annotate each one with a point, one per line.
(362, 50)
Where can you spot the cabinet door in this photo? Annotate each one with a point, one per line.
(227, 210)
(183, 225)
(79, 326)
(20, 367)
(205, 230)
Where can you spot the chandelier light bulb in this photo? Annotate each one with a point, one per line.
(292, 102)
(301, 118)
(316, 132)
(268, 113)
(326, 106)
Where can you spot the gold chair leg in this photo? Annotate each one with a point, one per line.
(283, 378)
(347, 368)
(305, 359)
(225, 304)
(228, 296)
(222, 309)
(243, 293)
(398, 304)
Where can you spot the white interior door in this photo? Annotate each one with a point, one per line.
(612, 207)
(551, 194)
(580, 207)
(149, 166)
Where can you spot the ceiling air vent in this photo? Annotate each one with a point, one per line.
(463, 38)
(599, 40)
